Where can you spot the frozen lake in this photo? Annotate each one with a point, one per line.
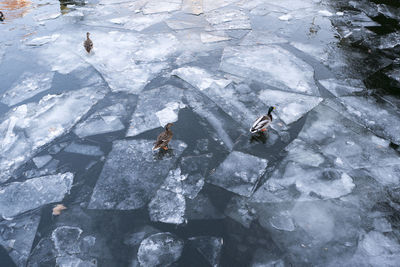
(321, 188)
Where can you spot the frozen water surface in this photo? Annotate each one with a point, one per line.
(320, 188)
(124, 184)
(234, 176)
(155, 109)
(18, 197)
(17, 237)
(29, 85)
(41, 123)
(272, 65)
(160, 249)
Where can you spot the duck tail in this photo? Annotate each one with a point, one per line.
(156, 146)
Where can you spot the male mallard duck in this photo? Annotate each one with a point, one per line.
(88, 44)
(261, 124)
(2, 16)
(164, 138)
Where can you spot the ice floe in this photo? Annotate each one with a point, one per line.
(233, 175)
(156, 108)
(271, 65)
(160, 249)
(19, 197)
(131, 175)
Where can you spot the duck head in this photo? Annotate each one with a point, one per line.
(168, 126)
(87, 34)
(270, 110)
(1, 16)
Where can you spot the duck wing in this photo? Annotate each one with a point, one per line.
(88, 44)
(260, 123)
(162, 139)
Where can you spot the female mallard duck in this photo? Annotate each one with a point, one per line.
(261, 124)
(2, 16)
(88, 44)
(164, 138)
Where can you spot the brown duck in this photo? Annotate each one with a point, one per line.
(88, 44)
(164, 138)
(2, 16)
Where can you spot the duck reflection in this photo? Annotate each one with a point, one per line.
(260, 137)
(65, 3)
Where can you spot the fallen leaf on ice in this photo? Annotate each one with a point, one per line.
(58, 208)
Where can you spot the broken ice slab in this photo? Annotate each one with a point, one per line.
(386, 175)
(312, 227)
(183, 21)
(378, 249)
(19, 197)
(303, 153)
(140, 234)
(199, 78)
(28, 85)
(156, 108)
(224, 129)
(162, 6)
(201, 208)
(261, 38)
(71, 246)
(209, 5)
(380, 117)
(17, 237)
(126, 60)
(47, 16)
(28, 127)
(132, 174)
(301, 183)
(208, 246)
(289, 106)
(213, 38)
(38, 41)
(65, 239)
(239, 173)
(194, 7)
(263, 257)
(238, 209)
(186, 184)
(382, 225)
(270, 64)
(346, 143)
(167, 207)
(40, 161)
(238, 101)
(67, 261)
(228, 19)
(282, 221)
(342, 87)
(160, 249)
(106, 120)
(374, 249)
(87, 150)
(138, 22)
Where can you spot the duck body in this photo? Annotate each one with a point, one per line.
(164, 138)
(2, 16)
(88, 44)
(262, 123)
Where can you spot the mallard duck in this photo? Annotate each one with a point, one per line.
(261, 124)
(88, 44)
(164, 138)
(2, 16)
